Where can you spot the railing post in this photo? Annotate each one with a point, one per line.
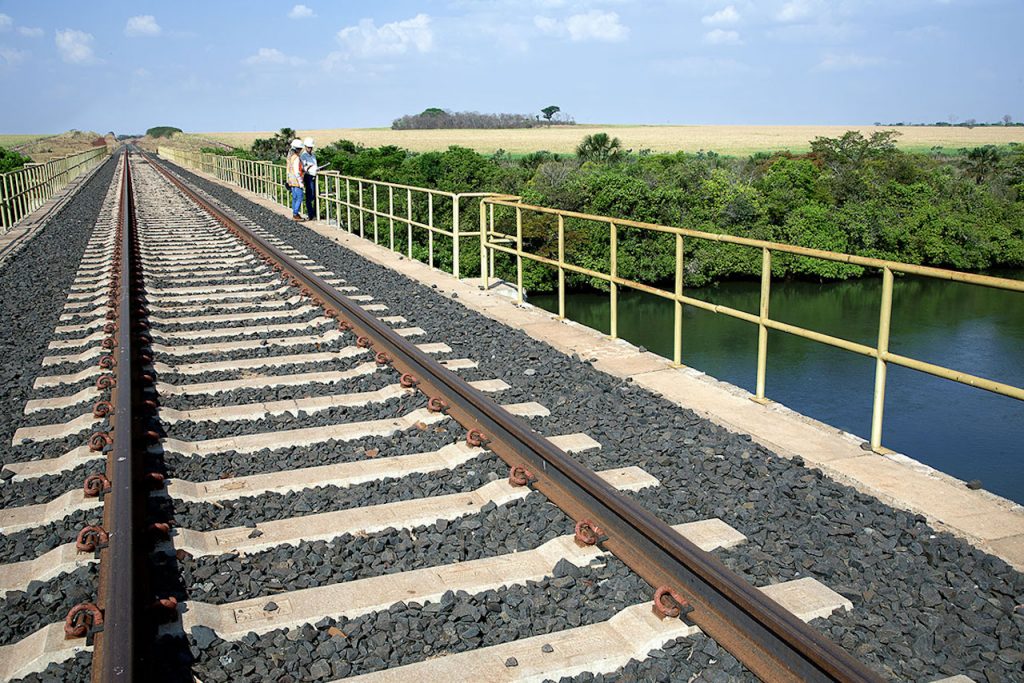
(348, 204)
(430, 229)
(375, 213)
(490, 257)
(408, 224)
(455, 236)
(4, 212)
(484, 283)
(519, 255)
(337, 200)
(677, 326)
(762, 327)
(361, 210)
(884, 320)
(316, 196)
(391, 217)
(561, 267)
(613, 309)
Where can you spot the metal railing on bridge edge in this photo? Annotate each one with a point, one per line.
(268, 180)
(26, 189)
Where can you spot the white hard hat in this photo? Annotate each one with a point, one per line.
(308, 142)
(296, 144)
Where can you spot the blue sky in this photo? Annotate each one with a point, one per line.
(219, 65)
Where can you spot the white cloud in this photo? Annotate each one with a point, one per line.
(272, 56)
(141, 73)
(144, 25)
(301, 12)
(547, 24)
(5, 22)
(9, 56)
(75, 47)
(30, 32)
(596, 25)
(593, 25)
(395, 38)
(722, 37)
(848, 62)
(796, 10)
(726, 15)
(703, 67)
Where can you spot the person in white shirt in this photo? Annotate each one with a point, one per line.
(309, 168)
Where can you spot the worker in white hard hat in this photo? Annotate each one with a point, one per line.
(295, 177)
(309, 168)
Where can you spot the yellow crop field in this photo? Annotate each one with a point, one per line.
(733, 140)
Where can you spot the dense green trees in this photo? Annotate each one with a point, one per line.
(162, 131)
(11, 160)
(851, 194)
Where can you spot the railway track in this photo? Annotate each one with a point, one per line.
(296, 480)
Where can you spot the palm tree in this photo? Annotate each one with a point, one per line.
(599, 147)
(980, 162)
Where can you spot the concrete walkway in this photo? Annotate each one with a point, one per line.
(992, 523)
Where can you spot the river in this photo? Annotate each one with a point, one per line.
(966, 432)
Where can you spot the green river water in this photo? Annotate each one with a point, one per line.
(966, 432)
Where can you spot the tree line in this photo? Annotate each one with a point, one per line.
(435, 117)
(853, 193)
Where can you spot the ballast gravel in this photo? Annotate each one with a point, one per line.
(76, 669)
(926, 604)
(336, 648)
(45, 488)
(392, 408)
(372, 382)
(271, 506)
(31, 543)
(24, 612)
(234, 464)
(35, 285)
(230, 577)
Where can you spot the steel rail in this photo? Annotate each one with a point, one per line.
(115, 653)
(770, 641)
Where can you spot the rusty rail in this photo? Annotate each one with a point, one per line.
(772, 642)
(120, 590)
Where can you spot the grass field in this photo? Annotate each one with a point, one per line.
(9, 141)
(733, 140)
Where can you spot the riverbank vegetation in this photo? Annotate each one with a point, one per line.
(852, 193)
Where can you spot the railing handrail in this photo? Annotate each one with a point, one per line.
(25, 189)
(33, 166)
(840, 257)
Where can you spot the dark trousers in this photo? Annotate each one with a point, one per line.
(310, 183)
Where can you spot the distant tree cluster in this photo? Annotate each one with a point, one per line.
(953, 121)
(162, 131)
(435, 117)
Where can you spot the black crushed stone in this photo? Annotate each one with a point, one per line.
(229, 577)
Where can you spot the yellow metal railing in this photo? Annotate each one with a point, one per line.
(357, 205)
(26, 189)
(511, 243)
(354, 204)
